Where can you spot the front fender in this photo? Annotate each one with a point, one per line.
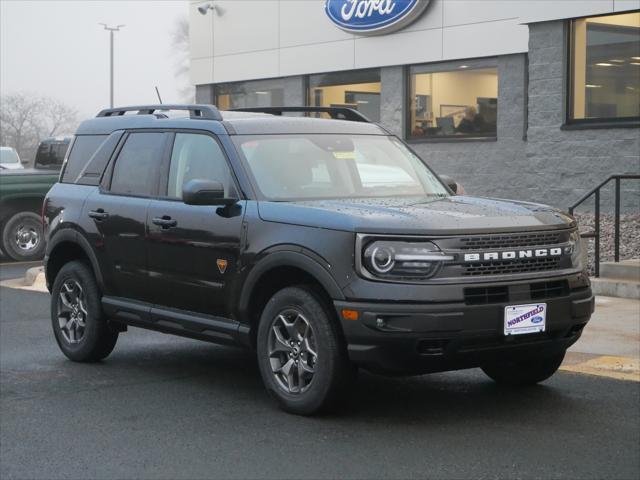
(290, 256)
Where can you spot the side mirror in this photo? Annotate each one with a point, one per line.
(205, 192)
(451, 183)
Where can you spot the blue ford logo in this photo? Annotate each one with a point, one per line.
(537, 319)
(374, 16)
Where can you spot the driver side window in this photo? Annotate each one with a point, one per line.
(196, 156)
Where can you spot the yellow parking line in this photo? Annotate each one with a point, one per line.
(620, 368)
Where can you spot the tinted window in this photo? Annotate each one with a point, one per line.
(51, 155)
(605, 70)
(196, 157)
(83, 149)
(453, 104)
(137, 164)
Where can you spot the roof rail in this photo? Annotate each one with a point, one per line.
(205, 112)
(338, 113)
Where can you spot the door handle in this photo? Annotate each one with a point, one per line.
(98, 214)
(165, 222)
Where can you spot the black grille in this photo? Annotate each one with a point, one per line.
(511, 240)
(542, 290)
(504, 267)
(486, 295)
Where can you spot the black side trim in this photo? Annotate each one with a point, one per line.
(185, 324)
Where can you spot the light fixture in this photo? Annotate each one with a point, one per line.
(203, 9)
(262, 93)
(604, 64)
(635, 58)
(463, 66)
(634, 63)
(616, 60)
(588, 85)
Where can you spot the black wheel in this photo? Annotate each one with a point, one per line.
(522, 372)
(302, 359)
(78, 323)
(22, 237)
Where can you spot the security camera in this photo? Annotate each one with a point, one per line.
(203, 9)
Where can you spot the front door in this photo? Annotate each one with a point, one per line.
(193, 250)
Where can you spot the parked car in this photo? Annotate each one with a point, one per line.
(21, 194)
(323, 244)
(9, 159)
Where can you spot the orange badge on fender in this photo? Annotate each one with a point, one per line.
(222, 265)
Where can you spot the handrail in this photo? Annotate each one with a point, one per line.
(616, 225)
(205, 112)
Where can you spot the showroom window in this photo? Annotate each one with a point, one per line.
(359, 89)
(257, 93)
(605, 69)
(458, 103)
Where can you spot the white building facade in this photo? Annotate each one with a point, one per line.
(530, 99)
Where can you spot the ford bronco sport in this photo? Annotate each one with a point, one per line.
(323, 244)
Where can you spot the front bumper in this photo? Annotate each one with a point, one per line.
(432, 337)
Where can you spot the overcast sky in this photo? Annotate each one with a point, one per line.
(57, 48)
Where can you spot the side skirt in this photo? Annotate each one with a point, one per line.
(177, 322)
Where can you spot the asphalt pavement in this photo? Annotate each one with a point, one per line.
(165, 407)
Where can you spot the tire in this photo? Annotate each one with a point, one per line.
(86, 336)
(524, 372)
(23, 237)
(303, 392)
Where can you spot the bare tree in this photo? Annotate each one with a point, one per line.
(27, 119)
(180, 44)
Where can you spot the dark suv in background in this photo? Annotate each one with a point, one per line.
(323, 244)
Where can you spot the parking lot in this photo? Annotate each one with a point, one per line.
(166, 407)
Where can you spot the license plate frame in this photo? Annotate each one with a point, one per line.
(525, 319)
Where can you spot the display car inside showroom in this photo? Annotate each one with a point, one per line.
(534, 100)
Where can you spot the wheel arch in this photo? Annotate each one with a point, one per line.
(65, 246)
(278, 270)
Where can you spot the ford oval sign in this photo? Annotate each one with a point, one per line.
(373, 16)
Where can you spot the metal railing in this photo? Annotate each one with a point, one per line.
(616, 225)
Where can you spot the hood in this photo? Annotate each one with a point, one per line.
(418, 215)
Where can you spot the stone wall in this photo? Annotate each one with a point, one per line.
(569, 163)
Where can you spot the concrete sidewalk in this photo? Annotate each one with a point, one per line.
(610, 343)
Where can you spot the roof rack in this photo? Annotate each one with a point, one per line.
(205, 112)
(338, 113)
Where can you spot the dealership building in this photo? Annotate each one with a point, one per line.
(535, 100)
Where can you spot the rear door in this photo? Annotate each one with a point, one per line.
(117, 214)
(193, 250)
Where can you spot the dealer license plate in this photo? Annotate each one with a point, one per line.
(530, 318)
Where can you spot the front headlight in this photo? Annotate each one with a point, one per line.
(398, 259)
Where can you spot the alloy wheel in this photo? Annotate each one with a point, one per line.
(292, 351)
(72, 311)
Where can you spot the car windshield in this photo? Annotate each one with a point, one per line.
(307, 167)
(8, 155)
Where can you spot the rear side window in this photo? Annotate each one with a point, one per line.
(51, 155)
(138, 164)
(83, 149)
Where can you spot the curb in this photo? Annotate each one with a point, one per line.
(31, 276)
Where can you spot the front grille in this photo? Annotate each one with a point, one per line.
(510, 241)
(501, 267)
